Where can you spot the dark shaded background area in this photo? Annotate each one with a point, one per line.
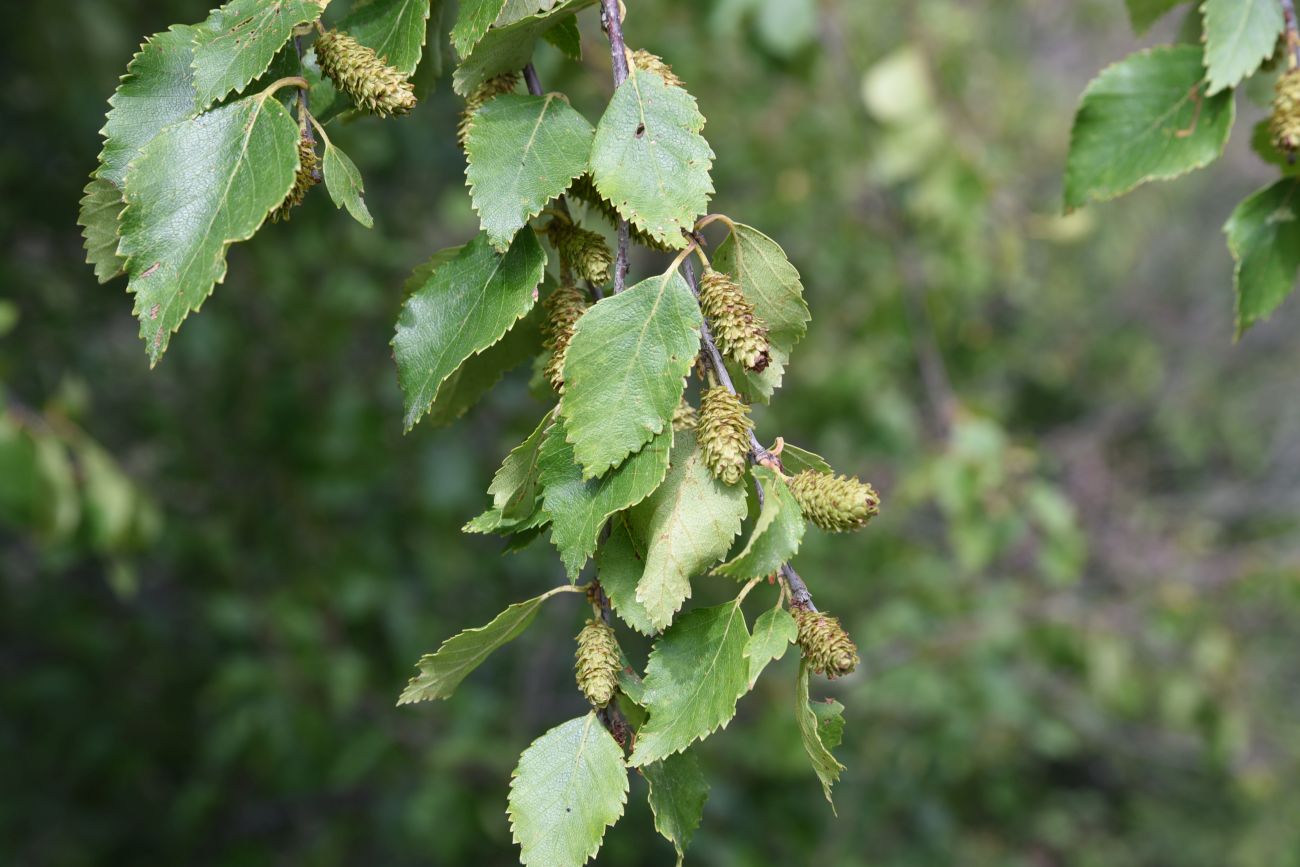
(1078, 613)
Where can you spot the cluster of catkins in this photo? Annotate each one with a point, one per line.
(368, 81)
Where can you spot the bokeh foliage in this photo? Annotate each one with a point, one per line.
(1077, 612)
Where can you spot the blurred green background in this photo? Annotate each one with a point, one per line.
(1079, 613)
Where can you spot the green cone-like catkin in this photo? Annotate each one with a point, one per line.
(834, 503)
(583, 251)
(363, 76)
(563, 307)
(308, 176)
(741, 334)
(723, 433)
(584, 190)
(503, 83)
(598, 662)
(648, 62)
(1285, 122)
(825, 644)
(685, 417)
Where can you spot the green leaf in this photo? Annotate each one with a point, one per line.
(517, 483)
(773, 286)
(237, 42)
(523, 151)
(394, 29)
(796, 460)
(649, 158)
(695, 675)
(1261, 142)
(824, 764)
(625, 370)
(578, 508)
(1144, 13)
(677, 795)
(620, 561)
(1239, 36)
(472, 21)
(689, 523)
(157, 91)
(517, 10)
(776, 534)
(98, 218)
(465, 306)
(570, 786)
(510, 47)
(774, 631)
(1142, 119)
(442, 671)
(198, 187)
(1264, 237)
(344, 184)
(565, 36)
(478, 373)
(830, 722)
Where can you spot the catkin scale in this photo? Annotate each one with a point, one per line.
(581, 250)
(584, 189)
(563, 308)
(307, 177)
(360, 73)
(647, 62)
(598, 663)
(723, 432)
(495, 86)
(1284, 123)
(741, 335)
(685, 417)
(837, 504)
(824, 643)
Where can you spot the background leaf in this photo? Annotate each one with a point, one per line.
(776, 535)
(1142, 119)
(579, 507)
(237, 42)
(649, 158)
(1144, 13)
(465, 306)
(773, 286)
(345, 186)
(688, 523)
(522, 152)
(198, 187)
(1239, 36)
(825, 765)
(695, 675)
(395, 29)
(774, 631)
(443, 670)
(510, 47)
(625, 369)
(570, 786)
(1264, 237)
(677, 795)
(99, 218)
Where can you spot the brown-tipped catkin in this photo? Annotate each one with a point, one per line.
(563, 308)
(740, 334)
(499, 84)
(825, 644)
(308, 176)
(723, 433)
(597, 662)
(837, 504)
(1285, 121)
(582, 251)
(685, 417)
(362, 75)
(648, 62)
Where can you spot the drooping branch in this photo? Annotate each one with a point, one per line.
(1292, 33)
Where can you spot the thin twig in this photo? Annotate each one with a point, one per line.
(1292, 33)
(613, 27)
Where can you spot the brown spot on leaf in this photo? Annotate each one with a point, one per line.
(153, 311)
(152, 268)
